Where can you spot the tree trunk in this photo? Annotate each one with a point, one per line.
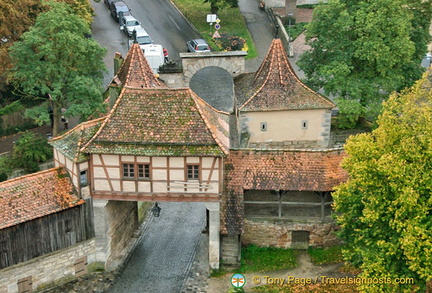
(56, 119)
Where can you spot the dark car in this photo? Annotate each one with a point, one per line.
(108, 2)
(117, 7)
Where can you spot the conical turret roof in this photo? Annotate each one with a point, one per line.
(136, 72)
(275, 86)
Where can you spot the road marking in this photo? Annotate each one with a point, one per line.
(175, 23)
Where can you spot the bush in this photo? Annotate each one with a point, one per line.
(230, 43)
(30, 150)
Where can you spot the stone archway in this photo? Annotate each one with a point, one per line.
(231, 61)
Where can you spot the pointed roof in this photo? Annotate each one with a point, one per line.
(70, 143)
(135, 71)
(36, 195)
(162, 122)
(275, 86)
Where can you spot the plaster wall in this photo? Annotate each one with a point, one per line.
(281, 126)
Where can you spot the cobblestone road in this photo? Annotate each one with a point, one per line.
(161, 261)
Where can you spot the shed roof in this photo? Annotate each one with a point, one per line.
(275, 86)
(36, 195)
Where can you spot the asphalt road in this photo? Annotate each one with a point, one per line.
(159, 18)
(166, 26)
(160, 262)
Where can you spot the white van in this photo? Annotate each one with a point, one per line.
(142, 37)
(154, 55)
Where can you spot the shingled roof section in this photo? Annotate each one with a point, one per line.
(135, 71)
(275, 86)
(291, 170)
(165, 122)
(36, 195)
(70, 143)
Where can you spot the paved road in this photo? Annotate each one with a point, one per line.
(160, 262)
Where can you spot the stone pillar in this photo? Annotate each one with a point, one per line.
(101, 222)
(214, 234)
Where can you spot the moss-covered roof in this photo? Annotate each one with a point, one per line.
(36, 195)
(275, 86)
(170, 121)
(69, 144)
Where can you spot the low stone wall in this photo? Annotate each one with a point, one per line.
(279, 233)
(47, 269)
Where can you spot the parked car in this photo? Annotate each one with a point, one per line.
(142, 37)
(129, 23)
(118, 6)
(108, 2)
(197, 45)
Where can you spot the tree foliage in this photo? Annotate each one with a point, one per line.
(215, 5)
(16, 17)
(385, 208)
(56, 62)
(30, 150)
(364, 50)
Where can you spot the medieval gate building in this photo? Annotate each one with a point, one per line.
(266, 166)
(265, 171)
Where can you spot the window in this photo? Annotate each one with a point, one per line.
(263, 126)
(193, 172)
(136, 171)
(143, 171)
(83, 178)
(128, 171)
(304, 125)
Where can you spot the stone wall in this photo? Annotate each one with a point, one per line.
(47, 269)
(289, 144)
(123, 222)
(278, 233)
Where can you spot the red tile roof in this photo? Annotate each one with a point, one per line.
(275, 86)
(146, 121)
(36, 195)
(300, 170)
(135, 71)
(296, 170)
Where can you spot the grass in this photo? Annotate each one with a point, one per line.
(265, 259)
(232, 22)
(295, 30)
(325, 256)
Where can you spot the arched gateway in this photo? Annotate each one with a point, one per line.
(232, 61)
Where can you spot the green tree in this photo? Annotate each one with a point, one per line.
(364, 50)
(56, 62)
(16, 17)
(30, 150)
(385, 208)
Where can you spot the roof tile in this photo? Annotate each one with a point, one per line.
(275, 86)
(36, 195)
